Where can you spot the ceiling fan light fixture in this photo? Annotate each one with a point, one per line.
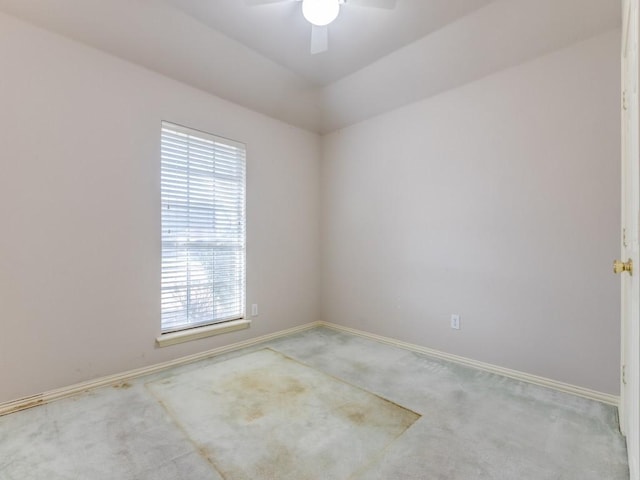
(320, 12)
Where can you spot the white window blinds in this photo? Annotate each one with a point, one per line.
(203, 228)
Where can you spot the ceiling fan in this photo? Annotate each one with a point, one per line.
(320, 13)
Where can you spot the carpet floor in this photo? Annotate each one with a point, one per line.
(319, 404)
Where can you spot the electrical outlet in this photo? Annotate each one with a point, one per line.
(254, 310)
(455, 321)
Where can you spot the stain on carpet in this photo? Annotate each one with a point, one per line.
(266, 416)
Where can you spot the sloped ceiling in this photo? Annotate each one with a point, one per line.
(378, 60)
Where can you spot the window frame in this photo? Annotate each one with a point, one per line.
(188, 331)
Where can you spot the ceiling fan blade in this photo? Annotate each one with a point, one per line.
(319, 39)
(387, 4)
(253, 3)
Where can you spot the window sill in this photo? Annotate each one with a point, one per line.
(202, 332)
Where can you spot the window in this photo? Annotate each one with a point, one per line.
(203, 229)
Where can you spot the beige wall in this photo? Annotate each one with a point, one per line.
(80, 210)
(498, 201)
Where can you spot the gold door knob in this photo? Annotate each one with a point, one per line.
(619, 267)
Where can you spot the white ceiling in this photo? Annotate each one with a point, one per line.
(377, 60)
(357, 38)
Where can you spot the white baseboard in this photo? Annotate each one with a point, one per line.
(60, 393)
(487, 367)
(46, 397)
